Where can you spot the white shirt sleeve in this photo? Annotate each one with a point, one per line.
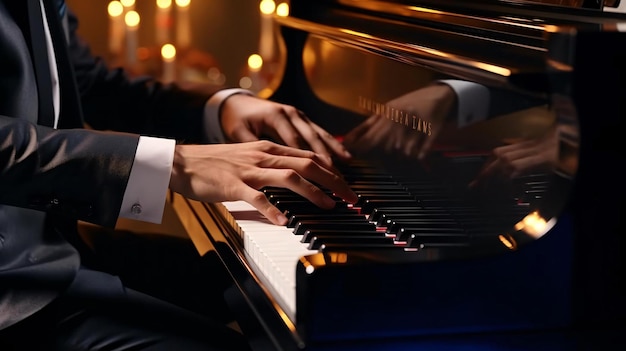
(144, 198)
(149, 179)
(212, 126)
(473, 101)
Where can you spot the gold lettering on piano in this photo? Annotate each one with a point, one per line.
(408, 119)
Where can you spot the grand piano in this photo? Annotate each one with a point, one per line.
(485, 136)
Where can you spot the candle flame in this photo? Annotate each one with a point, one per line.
(183, 3)
(267, 7)
(282, 10)
(132, 19)
(168, 51)
(163, 4)
(255, 61)
(115, 8)
(127, 3)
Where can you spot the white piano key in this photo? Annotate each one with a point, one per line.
(274, 250)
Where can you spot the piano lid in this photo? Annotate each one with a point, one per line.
(474, 98)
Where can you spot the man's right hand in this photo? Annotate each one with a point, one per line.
(229, 172)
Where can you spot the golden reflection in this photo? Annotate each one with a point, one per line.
(508, 241)
(358, 34)
(338, 257)
(551, 28)
(534, 225)
(424, 9)
(311, 262)
(494, 69)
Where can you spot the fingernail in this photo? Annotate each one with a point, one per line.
(281, 219)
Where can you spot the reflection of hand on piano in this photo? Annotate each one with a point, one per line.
(227, 172)
(425, 111)
(521, 157)
(247, 118)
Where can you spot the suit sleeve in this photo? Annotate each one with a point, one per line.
(113, 101)
(76, 173)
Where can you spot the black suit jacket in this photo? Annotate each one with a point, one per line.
(50, 178)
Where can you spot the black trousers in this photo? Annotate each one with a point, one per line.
(181, 308)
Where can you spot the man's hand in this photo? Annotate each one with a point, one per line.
(228, 172)
(520, 158)
(247, 118)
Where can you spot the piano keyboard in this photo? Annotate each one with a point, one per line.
(272, 251)
(390, 215)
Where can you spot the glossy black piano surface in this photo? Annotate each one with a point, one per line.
(504, 221)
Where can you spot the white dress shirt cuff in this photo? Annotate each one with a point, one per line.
(212, 125)
(473, 101)
(149, 180)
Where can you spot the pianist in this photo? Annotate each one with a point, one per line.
(54, 172)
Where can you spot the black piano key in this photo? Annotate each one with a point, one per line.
(317, 241)
(369, 205)
(310, 233)
(379, 211)
(404, 233)
(304, 206)
(422, 239)
(339, 226)
(317, 210)
(385, 219)
(394, 226)
(364, 198)
(373, 249)
(334, 216)
(377, 187)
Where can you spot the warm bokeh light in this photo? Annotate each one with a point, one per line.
(255, 61)
(168, 51)
(163, 4)
(267, 7)
(535, 225)
(115, 8)
(508, 241)
(128, 3)
(132, 19)
(282, 10)
(183, 3)
(245, 82)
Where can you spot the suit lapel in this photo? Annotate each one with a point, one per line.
(70, 113)
(39, 55)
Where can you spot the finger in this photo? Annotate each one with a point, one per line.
(301, 168)
(427, 143)
(311, 138)
(332, 143)
(259, 201)
(292, 180)
(282, 150)
(326, 178)
(488, 169)
(284, 129)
